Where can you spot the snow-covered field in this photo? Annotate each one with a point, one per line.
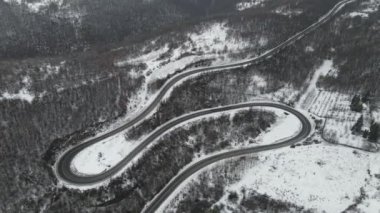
(321, 177)
(340, 120)
(102, 156)
(331, 104)
(335, 108)
(339, 131)
(286, 126)
(311, 91)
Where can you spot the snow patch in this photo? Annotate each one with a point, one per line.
(150, 58)
(248, 4)
(36, 6)
(263, 41)
(354, 14)
(22, 94)
(216, 37)
(366, 8)
(309, 49)
(286, 11)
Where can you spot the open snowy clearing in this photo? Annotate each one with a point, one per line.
(102, 156)
(319, 177)
(338, 131)
(286, 126)
(311, 91)
(335, 107)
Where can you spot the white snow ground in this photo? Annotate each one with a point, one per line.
(311, 91)
(286, 126)
(102, 156)
(320, 177)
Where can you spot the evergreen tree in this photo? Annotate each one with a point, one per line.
(357, 128)
(366, 96)
(365, 133)
(356, 104)
(374, 132)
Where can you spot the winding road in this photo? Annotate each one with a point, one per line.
(172, 185)
(63, 165)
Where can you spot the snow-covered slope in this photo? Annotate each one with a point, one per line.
(319, 177)
(209, 42)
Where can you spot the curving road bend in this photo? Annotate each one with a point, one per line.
(62, 166)
(65, 173)
(175, 182)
